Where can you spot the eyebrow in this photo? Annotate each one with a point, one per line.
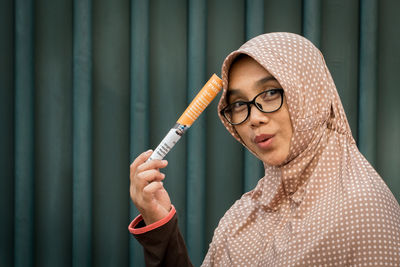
(258, 83)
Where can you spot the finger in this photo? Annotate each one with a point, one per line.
(152, 164)
(151, 189)
(141, 159)
(148, 176)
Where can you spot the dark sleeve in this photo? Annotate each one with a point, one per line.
(164, 245)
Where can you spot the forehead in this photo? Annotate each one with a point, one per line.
(246, 76)
(244, 65)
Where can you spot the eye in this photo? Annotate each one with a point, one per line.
(238, 106)
(270, 94)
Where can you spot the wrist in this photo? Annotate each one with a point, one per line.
(140, 230)
(155, 216)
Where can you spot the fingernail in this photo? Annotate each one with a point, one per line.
(164, 161)
(148, 151)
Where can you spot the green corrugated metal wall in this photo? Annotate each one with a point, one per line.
(87, 85)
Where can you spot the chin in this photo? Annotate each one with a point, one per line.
(273, 161)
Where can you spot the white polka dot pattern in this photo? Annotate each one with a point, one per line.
(326, 205)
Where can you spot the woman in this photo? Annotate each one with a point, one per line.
(320, 201)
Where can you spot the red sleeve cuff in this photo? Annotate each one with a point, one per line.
(147, 228)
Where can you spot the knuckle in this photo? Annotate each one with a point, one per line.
(140, 168)
(155, 163)
(139, 176)
(147, 190)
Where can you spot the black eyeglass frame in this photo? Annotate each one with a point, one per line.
(248, 103)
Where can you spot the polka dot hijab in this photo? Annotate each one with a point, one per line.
(325, 205)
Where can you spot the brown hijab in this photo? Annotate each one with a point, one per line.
(325, 205)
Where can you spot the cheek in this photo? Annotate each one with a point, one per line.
(288, 130)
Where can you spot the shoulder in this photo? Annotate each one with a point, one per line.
(243, 209)
(233, 218)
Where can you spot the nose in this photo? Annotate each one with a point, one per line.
(256, 117)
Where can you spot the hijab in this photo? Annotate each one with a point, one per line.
(325, 205)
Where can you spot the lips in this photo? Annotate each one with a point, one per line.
(262, 138)
(263, 141)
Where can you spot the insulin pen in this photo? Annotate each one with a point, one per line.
(192, 112)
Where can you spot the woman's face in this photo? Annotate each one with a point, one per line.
(268, 135)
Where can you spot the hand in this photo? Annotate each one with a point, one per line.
(147, 190)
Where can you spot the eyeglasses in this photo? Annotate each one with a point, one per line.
(267, 101)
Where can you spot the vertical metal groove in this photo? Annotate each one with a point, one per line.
(24, 133)
(53, 133)
(139, 119)
(82, 134)
(253, 167)
(7, 133)
(196, 138)
(368, 78)
(312, 21)
(254, 18)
